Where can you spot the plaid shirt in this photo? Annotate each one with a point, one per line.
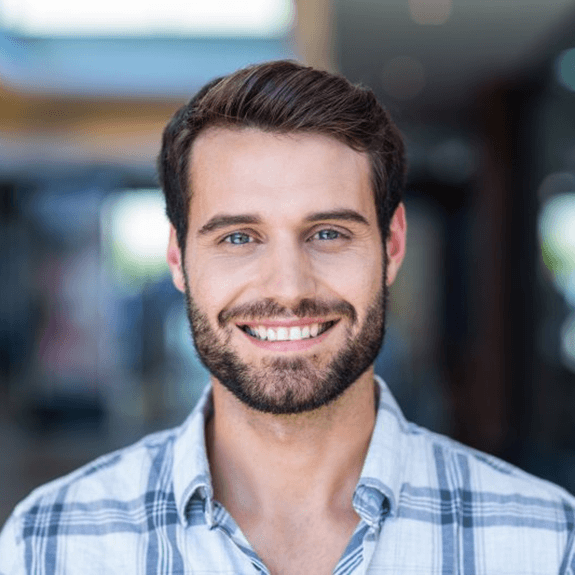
(428, 506)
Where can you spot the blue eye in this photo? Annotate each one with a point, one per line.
(238, 238)
(327, 235)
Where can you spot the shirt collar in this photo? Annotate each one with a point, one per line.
(192, 478)
(377, 490)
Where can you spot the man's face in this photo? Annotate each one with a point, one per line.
(284, 266)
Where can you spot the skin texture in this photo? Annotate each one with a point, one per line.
(283, 230)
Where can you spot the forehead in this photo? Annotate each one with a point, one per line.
(278, 176)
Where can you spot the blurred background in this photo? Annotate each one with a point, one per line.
(95, 350)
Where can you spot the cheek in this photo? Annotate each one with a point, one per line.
(215, 286)
(356, 277)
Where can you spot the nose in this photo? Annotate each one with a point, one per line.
(287, 273)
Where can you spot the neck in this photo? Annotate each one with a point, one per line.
(263, 463)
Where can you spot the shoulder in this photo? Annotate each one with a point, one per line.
(471, 489)
(438, 480)
(118, 477)
(100, 506)
(481, 509)
(458, 466)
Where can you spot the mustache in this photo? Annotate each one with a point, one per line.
(269, 309)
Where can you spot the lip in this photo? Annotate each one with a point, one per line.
(296, 322)
(283, 346)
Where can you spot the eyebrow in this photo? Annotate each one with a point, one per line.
(345, 215)
(225, 220)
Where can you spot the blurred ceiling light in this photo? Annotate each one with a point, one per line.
(557, 236)
(565, 69)
(135, 233)
(403, 77)
(430, 12)
(253, 18)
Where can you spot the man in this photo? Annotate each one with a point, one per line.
(283, 186)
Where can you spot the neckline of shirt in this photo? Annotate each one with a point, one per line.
(377, 490)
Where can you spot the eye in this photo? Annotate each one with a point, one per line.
(238, 238)
(327, 234)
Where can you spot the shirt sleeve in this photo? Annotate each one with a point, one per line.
(11, 549)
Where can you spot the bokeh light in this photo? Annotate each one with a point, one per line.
(565, 69)
(135, 232)
(557, 234)
(557, 231)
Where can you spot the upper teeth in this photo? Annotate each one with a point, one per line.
(286, 333)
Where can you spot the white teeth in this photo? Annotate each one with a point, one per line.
(295, 333)
(283, 334)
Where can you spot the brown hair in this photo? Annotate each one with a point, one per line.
(283, 97)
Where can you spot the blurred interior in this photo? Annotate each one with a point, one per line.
(95, 349)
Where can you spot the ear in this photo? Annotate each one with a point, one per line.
(395, 244)
(174, 257)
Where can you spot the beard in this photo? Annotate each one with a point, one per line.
(288, 385)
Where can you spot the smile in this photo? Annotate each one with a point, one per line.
(293, 333)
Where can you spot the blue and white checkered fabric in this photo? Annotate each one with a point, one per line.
(428, 506)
